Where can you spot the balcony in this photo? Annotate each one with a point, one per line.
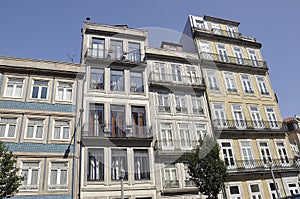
(226, 33)
(189, 183)
(171, 184)
(119, 131)
(246, 125)
(232, 60)
(176, 80)
(259, 165)
(114, 55)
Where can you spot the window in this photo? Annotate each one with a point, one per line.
(212, 80)
(205, 51)
(116, 50)
(255, 191)
(116, 80)
(95, 165)
(188, 182)
(253, 57)
(255, 116)
(159, 72)
(118, 162)
(220, 116)
(180, 104)
(247, 86)
(117, 121)
(238, 116)
(64, 91)
(14, 87)
(134, 54)
(136, 82)
(282, 153)
(238, 55)
(234, 192)
(293, 188)
(197, 105)
(58, 175)
(191, 75)
(61, 130)
(227, 153)
(8, 127)
(166, 135)
(163, 102)
(96, 119)
(223, 57)
(201, 131)
(31, 172)
(141, 165)
(35, 129)
(185, 137)
(273, 123)
(138, 121)
(273, 190)
(230, 82)
(265, 153)
(171, 179)
(231, 32)
(262, 85)
(247, 154)
(199, 24)
(216, 28)
(97, 79)
(176, 73)
(98, 48)
(40, 89)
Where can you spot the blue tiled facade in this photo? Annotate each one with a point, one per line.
(67, 196)
(37, 147)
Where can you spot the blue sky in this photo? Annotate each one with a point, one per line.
(51, 29)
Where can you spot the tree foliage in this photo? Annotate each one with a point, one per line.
(206, 168)
(9, 178)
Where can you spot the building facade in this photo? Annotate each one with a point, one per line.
(244, 110)
(38, 119)
(179, 116)
(116, 141)
(292, 126)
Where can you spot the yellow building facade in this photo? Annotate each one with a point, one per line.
(244, 110)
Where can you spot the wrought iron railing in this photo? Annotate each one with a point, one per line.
(232, 60)
(263, 164)
(113, 130)
(226, 33)
(175, 79)
(115, 55)
(246, 124)
(171, 183)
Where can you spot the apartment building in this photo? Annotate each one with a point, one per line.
(38, 119)
(244, 110)
(179, 116)
(116, 141)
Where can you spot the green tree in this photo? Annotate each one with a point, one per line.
(9, 178)
(206, 168)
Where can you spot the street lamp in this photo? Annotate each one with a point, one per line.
(271, 168)
(122, 175)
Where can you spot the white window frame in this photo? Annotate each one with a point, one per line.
(58, 186)
(231, 165)
(262, 85)
(35, 126)
(238, 54)
(14, 87)
(181, 104)
(176, 72)
(170, 169)
(294, 189)
(197, 105)
(247, 84)
(61, 126)
(239, 122)
(235, 196)
(159, 72)
(222, 53)
(40, 88)
(268, 158)
(273, 191)
(185, 136)
(248, 156)
(221, 122)
(8, 124)
(257, 123)
(255, 195)
(201, 131)
(253, 57)
(230, 82)
(165, 100)
(272, 118)
(64, 89)
(29, 186)
(212, 79)
(283, 158)
(166, 132)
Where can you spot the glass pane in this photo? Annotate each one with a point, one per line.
(34, 178)
(68, 94)
(2, 129)
(9, 90)
(35, 92)
(60, 94)
(66, 131)
(53, 177)
(39, 132)
(11, 130)
(56, 133)
(30, 132)
(44, 93)
(63, 176)
(18, 91)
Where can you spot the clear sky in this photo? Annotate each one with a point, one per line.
(49, 29)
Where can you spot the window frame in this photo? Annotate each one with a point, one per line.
(145, 173)
(32, 187)
(262, 86)
(120, 80)
(61, 133)
(137, 76)
(35, 126)
(7, 126)
(58, 186)
(99, 82)
(230, 82)
(14, 84)
(95, 155)
(65, 90)
(247, 84)
(213, 82)
(166, 132)
(119, 153)
(40, 88)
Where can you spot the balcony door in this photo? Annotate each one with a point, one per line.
(265, 153)
(238, 55)
(134, 54)
(223, 57)
(228, 156)
(96, 120)
(256, 118)
(247, 154)
(97, 48)
(138, 121)
(117, 121)
(116, 48)
(238, 116)
(253, 58)
(220, 115)
(282, 153)
(205, 51)
(272, 117)
(216, 28)
(159, 72)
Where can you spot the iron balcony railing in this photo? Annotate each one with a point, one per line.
(226, 33)
(166, 78)
(232, 60)
(118, 131)
(246, 124)
(189, 183)
(115, 55)
(171, 183)
(262, 164)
